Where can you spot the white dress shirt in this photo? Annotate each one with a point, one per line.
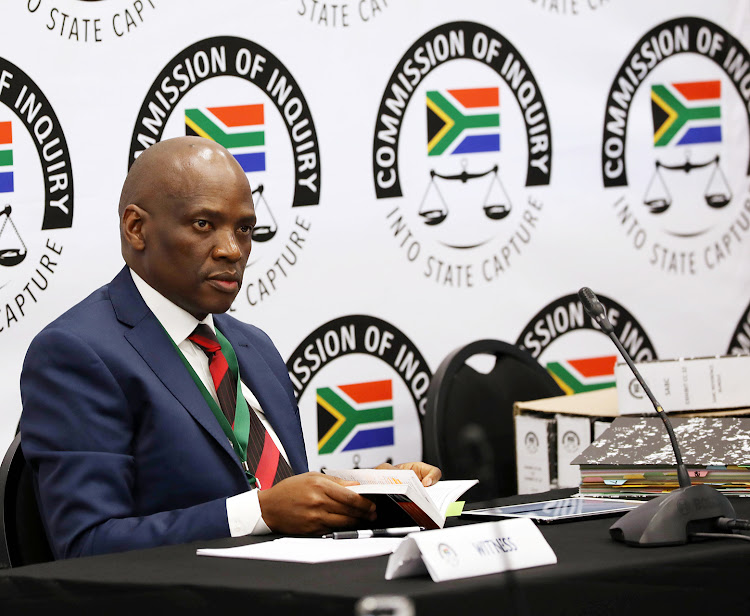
(243, 510)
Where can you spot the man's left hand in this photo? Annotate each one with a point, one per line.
(427, 473)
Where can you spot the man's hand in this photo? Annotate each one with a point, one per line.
(313, 503)
(426, 472)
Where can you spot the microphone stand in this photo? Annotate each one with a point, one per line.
(667, 519)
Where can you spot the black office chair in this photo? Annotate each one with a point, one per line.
(23, 540)
(468, 423)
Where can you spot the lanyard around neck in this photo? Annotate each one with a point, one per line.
(240, 434)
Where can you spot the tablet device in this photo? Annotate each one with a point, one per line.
(558, 510)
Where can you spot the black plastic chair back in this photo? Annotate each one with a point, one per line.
(469, 429)
(23, 540)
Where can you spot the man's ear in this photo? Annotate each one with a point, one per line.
(131, 223)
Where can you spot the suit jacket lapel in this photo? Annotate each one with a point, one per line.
(152, 343)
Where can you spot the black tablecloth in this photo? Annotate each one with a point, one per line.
(594, 575)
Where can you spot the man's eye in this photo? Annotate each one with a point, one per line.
(246, 229)
(201, 224)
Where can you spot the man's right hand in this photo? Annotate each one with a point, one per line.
(313, 503)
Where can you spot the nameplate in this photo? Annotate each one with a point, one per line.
(467, 551)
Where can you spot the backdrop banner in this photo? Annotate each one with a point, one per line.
(425, 174)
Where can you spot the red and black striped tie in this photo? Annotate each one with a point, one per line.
(263, 457)
(224, 383)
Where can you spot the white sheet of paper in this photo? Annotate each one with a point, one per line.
(308, 550)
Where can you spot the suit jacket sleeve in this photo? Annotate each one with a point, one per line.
(79, 432)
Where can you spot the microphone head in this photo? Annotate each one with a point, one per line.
(595, 309)
(591, 303)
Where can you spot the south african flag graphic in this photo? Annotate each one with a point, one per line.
(576, 376)
(239, 128)
(6, 157)
(355, 416)
(463, 121)
(686, 113)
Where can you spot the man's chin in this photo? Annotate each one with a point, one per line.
(221, 307)
(213, 305)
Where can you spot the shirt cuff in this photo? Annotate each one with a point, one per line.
(244, 515)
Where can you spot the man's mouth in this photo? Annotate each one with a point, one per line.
(227, 283)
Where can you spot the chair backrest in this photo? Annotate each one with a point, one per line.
(469, 429)
(23, 540)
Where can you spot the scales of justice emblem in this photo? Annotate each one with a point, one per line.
(12, 248)
(717, 193)
(266, 227)
(434, 209)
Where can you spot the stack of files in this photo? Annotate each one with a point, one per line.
(634, 457)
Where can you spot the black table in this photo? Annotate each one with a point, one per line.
(594, 575)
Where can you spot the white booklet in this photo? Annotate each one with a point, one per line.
(400, 497)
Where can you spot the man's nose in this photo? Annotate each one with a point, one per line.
(227, 246)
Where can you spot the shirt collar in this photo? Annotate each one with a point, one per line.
(178, 322)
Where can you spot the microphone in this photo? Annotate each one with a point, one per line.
(595, 309)
(671, 518)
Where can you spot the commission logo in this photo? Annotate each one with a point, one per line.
(570, 345)
(237, 93)
(571, 442)
(461, 153)
(531, 441)
(448, 554)
(36, 194)
(675, 147)
(361, 385)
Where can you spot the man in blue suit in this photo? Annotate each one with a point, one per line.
(117, 419)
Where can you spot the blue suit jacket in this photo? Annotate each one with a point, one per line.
(125, 451)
